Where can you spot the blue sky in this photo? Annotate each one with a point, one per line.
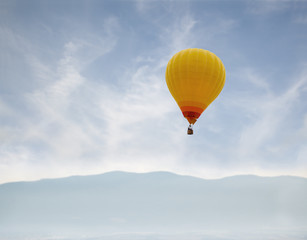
(83, 88)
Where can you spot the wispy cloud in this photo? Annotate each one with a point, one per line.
(143, 6)
(269, 115)
(50, 129)
(301, 19)
(186, 31)
(267, 6)
(179, 35)
(78, 124)
(66, 109)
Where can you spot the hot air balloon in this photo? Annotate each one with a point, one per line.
(195, 77)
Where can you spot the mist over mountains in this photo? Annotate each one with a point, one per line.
(157, 202)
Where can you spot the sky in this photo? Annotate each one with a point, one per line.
(83, 91)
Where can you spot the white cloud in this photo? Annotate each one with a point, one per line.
(257, 81)
(268, 116)
(267, 6)
(301, 19)
(136, 121)
(47, 135)
(90, 127)
(186, 31)
(67, 123)
(143, 5)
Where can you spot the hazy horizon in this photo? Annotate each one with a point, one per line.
(152, 172)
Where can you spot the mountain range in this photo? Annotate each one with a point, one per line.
(156, 202)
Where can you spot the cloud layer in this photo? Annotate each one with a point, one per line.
(84, 92)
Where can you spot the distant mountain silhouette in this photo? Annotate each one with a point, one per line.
(153, 202)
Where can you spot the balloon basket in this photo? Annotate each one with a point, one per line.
(190, 130)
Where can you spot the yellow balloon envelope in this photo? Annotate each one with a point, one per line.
(195, 77)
